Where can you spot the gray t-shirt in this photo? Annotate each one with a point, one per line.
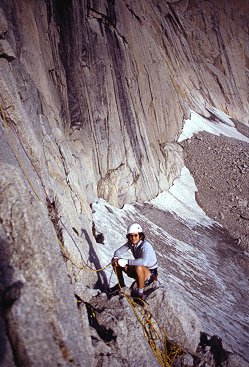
(143, 253)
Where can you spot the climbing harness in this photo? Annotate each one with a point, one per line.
(164, 350)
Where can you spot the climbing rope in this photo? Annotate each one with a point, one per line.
(164, 350)
(65, 253)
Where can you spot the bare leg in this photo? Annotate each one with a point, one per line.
(142, 273)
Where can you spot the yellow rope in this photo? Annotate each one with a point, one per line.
(15, 151)
(164, 350)
(153, 333)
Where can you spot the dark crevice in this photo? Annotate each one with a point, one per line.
(11, 294)
(54, 217)
(75, 231)
(175, 21)
(110, 9)
(105, 20)
(133, 13)
(63, 11)
(8, 57)
(106, 334)
(102, 282)
(216, 348)
(102, 18)
(73, 39)
(125, 110)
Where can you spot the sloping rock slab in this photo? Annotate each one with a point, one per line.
(120, 320)
(127, 344)
(181, 323)
(40, 316)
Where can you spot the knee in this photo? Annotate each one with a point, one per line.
(139, 269)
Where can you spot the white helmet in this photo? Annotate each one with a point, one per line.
(134, 228)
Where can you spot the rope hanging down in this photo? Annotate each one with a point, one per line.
(164, 350)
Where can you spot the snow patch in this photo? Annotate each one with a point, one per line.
(180, 200)
(222, 126)
(112, 222)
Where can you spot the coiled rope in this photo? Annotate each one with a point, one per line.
(164, 350)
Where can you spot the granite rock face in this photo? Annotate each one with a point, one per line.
(38, 307)
(97, 90)
(113, 82)
(93, 97)
(121, 332)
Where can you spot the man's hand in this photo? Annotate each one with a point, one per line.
(122, 262)
(114, 261)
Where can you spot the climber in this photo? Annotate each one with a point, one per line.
(143, 268)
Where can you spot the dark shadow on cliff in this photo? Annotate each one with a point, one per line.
(102, 282)
(5, 279)
(9, 293)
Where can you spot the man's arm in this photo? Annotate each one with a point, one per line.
(120, 251)
(147, 257)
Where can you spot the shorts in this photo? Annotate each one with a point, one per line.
(152, 277)
(153, 274)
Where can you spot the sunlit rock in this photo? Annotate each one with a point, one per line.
(94, 96)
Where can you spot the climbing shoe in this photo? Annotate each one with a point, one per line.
(138, 297)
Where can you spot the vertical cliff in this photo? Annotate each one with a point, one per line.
(109, 83)
(93, 97)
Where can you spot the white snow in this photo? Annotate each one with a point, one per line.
(112, 222)
(224, 126)
(180, 200)
(221, 115)
(189, 264)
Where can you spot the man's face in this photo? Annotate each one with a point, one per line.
(134, 238)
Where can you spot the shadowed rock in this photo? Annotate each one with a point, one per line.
(40, 317)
